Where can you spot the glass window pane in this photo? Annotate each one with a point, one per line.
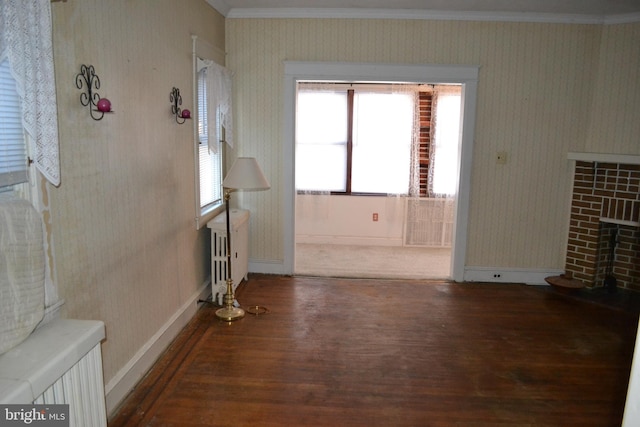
(210, 188)
(321, 167)
(383, 125)
(321, 141)
(321, 118)
(447, 139)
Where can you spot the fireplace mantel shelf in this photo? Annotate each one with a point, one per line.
(627, 159)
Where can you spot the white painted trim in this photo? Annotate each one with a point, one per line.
(461, 219)
(421, 14)
(467, 75)
(126, 378)
(379, 72)
(626, 18)
(631, 416)
(627, 159)
(509, 275)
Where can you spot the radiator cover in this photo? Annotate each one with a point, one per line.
(59, 363)
(239, 251)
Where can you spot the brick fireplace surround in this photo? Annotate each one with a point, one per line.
(606, 197)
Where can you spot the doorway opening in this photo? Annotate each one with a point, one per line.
(345, 73)
(376, 178)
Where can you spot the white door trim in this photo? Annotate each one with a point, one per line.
(467, 75)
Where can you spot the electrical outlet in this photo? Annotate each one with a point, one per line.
(501, 157)
(497, 275)
(375, 217)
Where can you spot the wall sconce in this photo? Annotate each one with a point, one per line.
(176, 101)
(97, 106)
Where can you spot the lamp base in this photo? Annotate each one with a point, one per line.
(230, 314)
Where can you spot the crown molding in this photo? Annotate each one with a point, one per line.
(441, 15)
(220, 5)
(626, 18)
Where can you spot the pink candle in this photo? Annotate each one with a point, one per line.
(104, 105)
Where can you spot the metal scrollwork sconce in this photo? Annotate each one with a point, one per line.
(176, 101)
(88, 80)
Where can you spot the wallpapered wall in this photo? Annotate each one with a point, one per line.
(126, 248)
(536, 101)
(614, 126)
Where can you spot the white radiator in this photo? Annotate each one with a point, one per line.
(239, 252)
(59, 363)
(81, 387)
(429, 222)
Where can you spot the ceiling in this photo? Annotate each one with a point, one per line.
(577, 11)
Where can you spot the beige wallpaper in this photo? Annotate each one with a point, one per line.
(535, 90)
(126, 248)
(614, 125)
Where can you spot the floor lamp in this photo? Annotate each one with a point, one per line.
(245, 174)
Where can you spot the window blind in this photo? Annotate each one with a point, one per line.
(210, 189)
(13, 153)
(203, 120)
(209, 162)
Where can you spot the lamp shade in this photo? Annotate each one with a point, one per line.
(245, 174)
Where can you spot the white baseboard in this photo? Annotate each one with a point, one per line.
(471, 274)
(509, 275)
(123, 382)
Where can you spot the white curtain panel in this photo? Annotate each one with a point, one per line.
(25, 39)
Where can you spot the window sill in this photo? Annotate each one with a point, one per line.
(207, 214)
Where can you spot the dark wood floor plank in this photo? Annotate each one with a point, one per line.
(338, 352)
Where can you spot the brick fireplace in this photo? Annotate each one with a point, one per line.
(605, 220)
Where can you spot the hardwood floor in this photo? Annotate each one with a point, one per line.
(363, 352)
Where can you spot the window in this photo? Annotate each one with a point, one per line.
(13, 161)
(321, 138)
(377, 139)
(209, 167)
(353, 140)
(382, 137)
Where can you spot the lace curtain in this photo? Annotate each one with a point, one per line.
(25, 39)
(414, 167)
(218, 94)
(445, 135)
